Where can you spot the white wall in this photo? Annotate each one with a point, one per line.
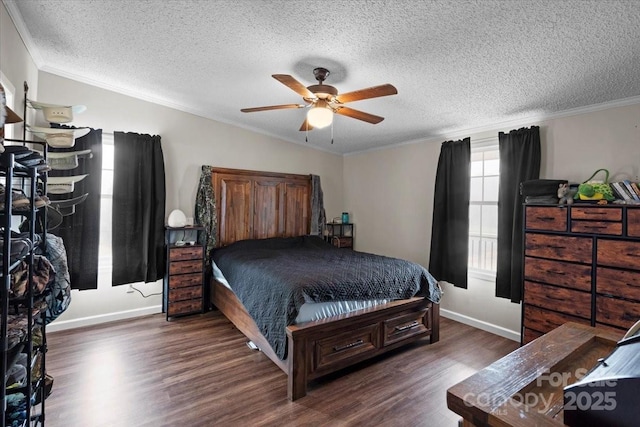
(15, 63)
(389, 194)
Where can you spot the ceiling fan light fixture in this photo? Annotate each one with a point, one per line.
(320, 116)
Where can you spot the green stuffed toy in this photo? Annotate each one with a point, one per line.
(595, 190)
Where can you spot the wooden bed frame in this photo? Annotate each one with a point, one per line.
(253, 204)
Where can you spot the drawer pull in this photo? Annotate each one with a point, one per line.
(409, 326)
(350, 345)
(545, 218)
(595, 227)
(557, 247)
(560, 273)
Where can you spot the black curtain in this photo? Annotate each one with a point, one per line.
(450, 229)
(138, 209)
(519, 161)
(80, 230)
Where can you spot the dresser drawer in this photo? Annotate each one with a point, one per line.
(618, 253)
(335, 350)
(186, 252)
(617, 312)
(541, 320)
(181, 267)
(633, 222)
(597, 227)
(530, 335)
(567, 301)
(596, 214)
(185, 280)
(577, 249)
(402, 327)
(619, 283)
(185, 307)
(181, 294)
(561, 273)
(546, 218)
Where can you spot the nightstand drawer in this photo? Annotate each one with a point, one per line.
(184, 280)
(181, 267)
(618, 253)
(185, 307)
(563, 300)
(342, 242)
(181, 294)
(577, 249)
(546, 218)
(561, 273)
(186, 252)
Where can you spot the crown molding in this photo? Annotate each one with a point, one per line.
(510, 124)
(16, 17)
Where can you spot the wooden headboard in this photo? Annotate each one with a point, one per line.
(258, 205)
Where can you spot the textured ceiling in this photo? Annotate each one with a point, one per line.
(457, 65)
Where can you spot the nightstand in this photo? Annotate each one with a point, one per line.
(340, 235)
(184, 276)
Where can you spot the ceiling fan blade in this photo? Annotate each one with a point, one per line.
(371, 92)
(293, 84)
(305, 126)
(360, 115)
(272, 107)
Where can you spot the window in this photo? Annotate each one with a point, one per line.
(483, 208)
(9, 95)
(106, 202)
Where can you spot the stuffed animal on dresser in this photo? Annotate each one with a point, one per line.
(565, 194)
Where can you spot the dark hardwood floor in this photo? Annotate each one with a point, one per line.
(197, 371)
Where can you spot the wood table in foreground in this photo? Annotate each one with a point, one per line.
(525, 388)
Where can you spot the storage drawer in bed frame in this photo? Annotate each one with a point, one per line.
(375, 334)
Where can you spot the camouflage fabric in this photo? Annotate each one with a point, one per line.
(205, 209)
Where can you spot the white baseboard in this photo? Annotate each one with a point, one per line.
(480, 324)
(102, 318)
(57, 325)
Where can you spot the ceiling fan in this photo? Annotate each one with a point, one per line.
(323, 100)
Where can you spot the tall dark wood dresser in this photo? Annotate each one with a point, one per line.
(581, 264)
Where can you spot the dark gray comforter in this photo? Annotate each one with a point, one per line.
(274, 277)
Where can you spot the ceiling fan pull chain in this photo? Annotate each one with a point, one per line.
(332, 133)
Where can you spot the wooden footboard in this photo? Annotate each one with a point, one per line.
(328, 345)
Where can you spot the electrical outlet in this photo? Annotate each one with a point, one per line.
(130, 290)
